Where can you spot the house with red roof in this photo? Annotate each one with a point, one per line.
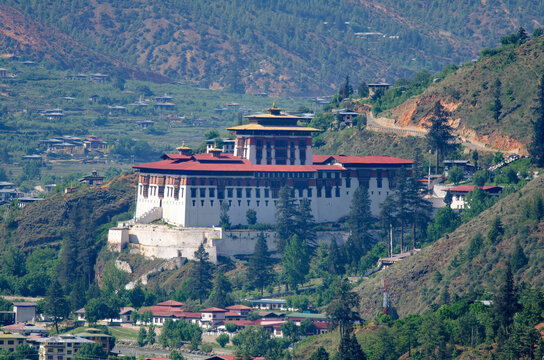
(211, 317)
(460, 192)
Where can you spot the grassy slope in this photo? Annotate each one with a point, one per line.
(360, 142)
(469, 93)
(413, 282)
(40, 224)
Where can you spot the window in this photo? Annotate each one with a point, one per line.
(257, 193)
(248, 193)
(309, 192)
(194, 202)
(229, 192)
(266, 193)
(239, 202)
(379, 180)
(248, 202)
(212, 192)
(211, 202)
(202, 192)
(266, 202)
(10, 342)
(328, 192)
(300, 192)
(193, 192)
(69, 352)
(348, 182)
(230, 202)
(258, 202)
(201, 202)
(238, 193)
(318, 192)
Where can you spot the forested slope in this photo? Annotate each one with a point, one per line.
(282, 47)
(64, 233)
(462, 262)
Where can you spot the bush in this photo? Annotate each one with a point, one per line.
(222, 340)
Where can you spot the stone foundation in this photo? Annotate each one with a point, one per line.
(167, 242)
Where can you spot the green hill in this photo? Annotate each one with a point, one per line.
(509, 74)
(276, 47)
(462, 267)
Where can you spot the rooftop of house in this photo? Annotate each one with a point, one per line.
(469, 188)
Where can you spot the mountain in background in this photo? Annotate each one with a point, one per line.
(22, 35)
(275, 47)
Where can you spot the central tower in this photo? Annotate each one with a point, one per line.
(274, 138)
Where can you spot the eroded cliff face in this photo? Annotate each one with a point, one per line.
(418, 112)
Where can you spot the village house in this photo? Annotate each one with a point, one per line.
(94, 179)
(344, 118)
(226, 147)
(93, 143)
(211, 317)
(25, 329)
(24, 311)
(98, 337)
(3, 72)
(61, 347)
(9, 342)
(270, 304)
(460, 192)
(372, 88)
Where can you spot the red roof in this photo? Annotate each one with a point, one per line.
(238, 307)
(213, 309)
(173, 303)
(234, 314)
(184, 314)
(231, 163)
(468, 188)
(371, 160)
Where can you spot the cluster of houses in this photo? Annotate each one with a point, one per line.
(74, 146)
(19, 325)
(215, 319)
(19, 329)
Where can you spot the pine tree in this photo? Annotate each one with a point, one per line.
(439, 137)
(495, 232)
(224, 218)
(220, 294)
(359, 222)
(295, 261)
(259, 269)
(497, 105)
(201, 273)
(285, 217)
(536, 148)
(320, 354)
(150, 337)
(506, 304)
(342, 310)
(518, 258)
(349, 348)
(56, 304)
(304, 224)
(363, 89)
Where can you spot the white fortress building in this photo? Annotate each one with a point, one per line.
(272, 151)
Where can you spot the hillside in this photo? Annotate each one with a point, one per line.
(44, 223)
(278, 47)
(468, 96)
(418, 281)
(21, 34)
